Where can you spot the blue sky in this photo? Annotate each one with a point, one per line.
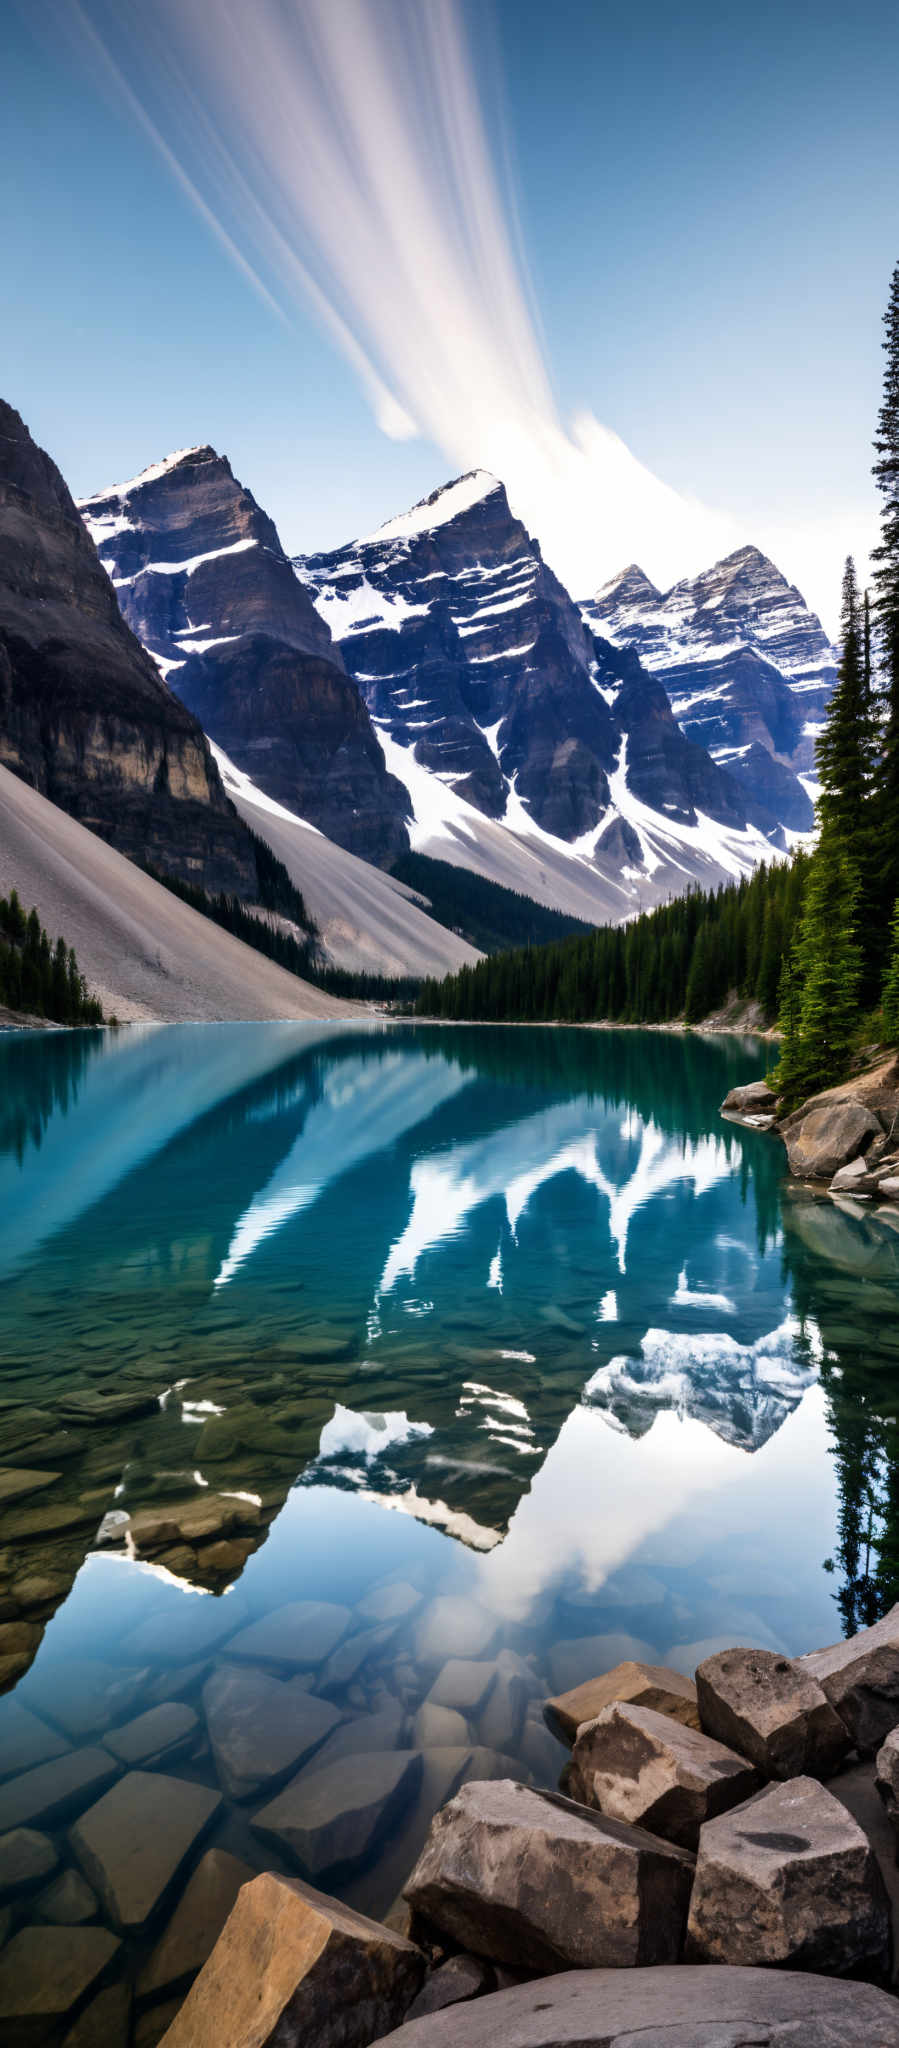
(707, 213)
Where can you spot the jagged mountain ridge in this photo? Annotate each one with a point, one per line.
(84, 714)
(202, 578)
(748, 668)
(493, 697)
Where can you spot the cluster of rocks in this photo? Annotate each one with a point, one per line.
(848, 1137)
(747, 1820)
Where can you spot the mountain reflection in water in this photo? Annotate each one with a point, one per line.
(510, 1317)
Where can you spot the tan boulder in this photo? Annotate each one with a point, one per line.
(828, 1136)
(533, 1881)
(651, 1771)
(646, 1685)
(292, 1967)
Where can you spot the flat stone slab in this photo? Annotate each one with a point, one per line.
(773, 1711)
(382, 1730)
(301, 1634)
(132, 1844)
(861, 1679)
(53, 1790)
(67, 1902)
(392, 1602)
(25, 1740)
(464, 1684)
(196, 1923)
(153, 1734)
(453, 1627)
(44, 1971)
(106, 2022)
(86, 1696)
(571, 1661)
(439, 1727)
(25, 1857)
(680, 2007)
(292, 1966)
(647, 1685)
(789, 1877)
(651, 1771)
(333, 1819)
(16, 1481)
(535, 1882)
(261, 1728)
(187, 1630)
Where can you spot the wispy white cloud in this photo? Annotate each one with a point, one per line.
(339, 149)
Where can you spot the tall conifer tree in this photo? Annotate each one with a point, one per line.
(886, 603)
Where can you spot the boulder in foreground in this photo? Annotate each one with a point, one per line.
(533, 1881)
(668, 2007)
(647, 1685)
(649, 1770)
(292, 1967)
(861, 1679)
(773, 1711)
(789, 1878)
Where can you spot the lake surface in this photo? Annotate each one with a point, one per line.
(367, 1351)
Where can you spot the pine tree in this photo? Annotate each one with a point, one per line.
(829, 963)
(886, 603)
(788, 1076)
(890, 998)
(845, 747)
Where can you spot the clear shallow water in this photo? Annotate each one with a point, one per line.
(507, 1318)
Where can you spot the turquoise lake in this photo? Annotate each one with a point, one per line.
(373, 1350)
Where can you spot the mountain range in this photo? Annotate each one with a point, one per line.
(185, 690)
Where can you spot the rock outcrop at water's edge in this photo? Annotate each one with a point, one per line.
(532, 1919)
(845, 1138)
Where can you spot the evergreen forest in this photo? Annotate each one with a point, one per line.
(38, 978)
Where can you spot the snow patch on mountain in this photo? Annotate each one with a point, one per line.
(443, 504)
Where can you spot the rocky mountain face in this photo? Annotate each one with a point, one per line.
(202, 578)
(84, 714)
(485, 681)
(748, 669)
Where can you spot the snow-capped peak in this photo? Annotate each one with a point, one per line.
(144, 476)
(631, 582)
(443, 504)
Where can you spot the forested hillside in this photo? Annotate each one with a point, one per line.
(36, 977)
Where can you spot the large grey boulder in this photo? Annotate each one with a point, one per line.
(292, 1967)
(861, 1679)
(534, 1881)
(332, 1820)
(788, 1878)
(644, 1768)
(668, 2007)
(826, 1137)
(647, 1685)
(771, 1710)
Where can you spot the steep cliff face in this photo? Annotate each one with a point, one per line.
(84, 714)
(747, 666)
(480, 671)
(202, 578)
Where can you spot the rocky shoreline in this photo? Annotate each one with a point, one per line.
(845, 1140)
(719, 1868)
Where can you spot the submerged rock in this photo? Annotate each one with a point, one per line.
(132, 1844)
(67, 1902)
(44, 1972)
(534, 1881)
(301, 1635)
(53, 1790)
(649, 1770)
(333, 1819)
(646, 1685)
(153, 1734)
(292, 1966)
(261, 1727)
(788, 1878)
(861, 1679)
(464, 1684)
(196, 1923)
(106, 2022)
(25, 1857)
(666, 2007)
(772, 1710)
(25, 1740)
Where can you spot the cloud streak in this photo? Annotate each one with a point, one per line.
(340, 151)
